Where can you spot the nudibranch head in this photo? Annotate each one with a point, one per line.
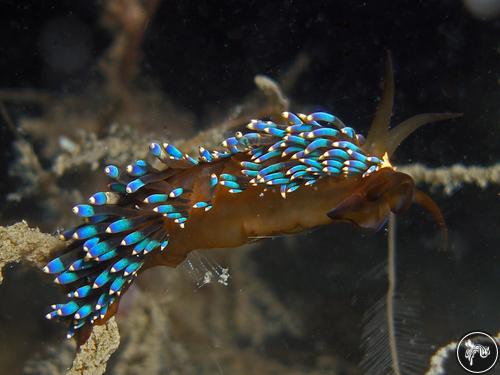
(369, 204)
(388, 190)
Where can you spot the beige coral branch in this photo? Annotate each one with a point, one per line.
(454, 177)
(441, 355)
(272, 90)
(119, 147)
(20, 242)
(93, 356)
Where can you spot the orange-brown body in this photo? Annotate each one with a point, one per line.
(236, 219)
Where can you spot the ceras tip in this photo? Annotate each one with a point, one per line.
(83, 210)
(176, 192)
(112, 171)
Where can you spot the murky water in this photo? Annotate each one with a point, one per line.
(84, 85)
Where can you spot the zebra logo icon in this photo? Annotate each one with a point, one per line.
(477, 352)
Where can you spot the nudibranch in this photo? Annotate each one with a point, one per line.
(281, 177)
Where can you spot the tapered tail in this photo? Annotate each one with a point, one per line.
(426, 202)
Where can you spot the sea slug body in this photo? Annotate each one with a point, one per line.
(300, 172)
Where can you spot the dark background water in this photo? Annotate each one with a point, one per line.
(204, 56)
